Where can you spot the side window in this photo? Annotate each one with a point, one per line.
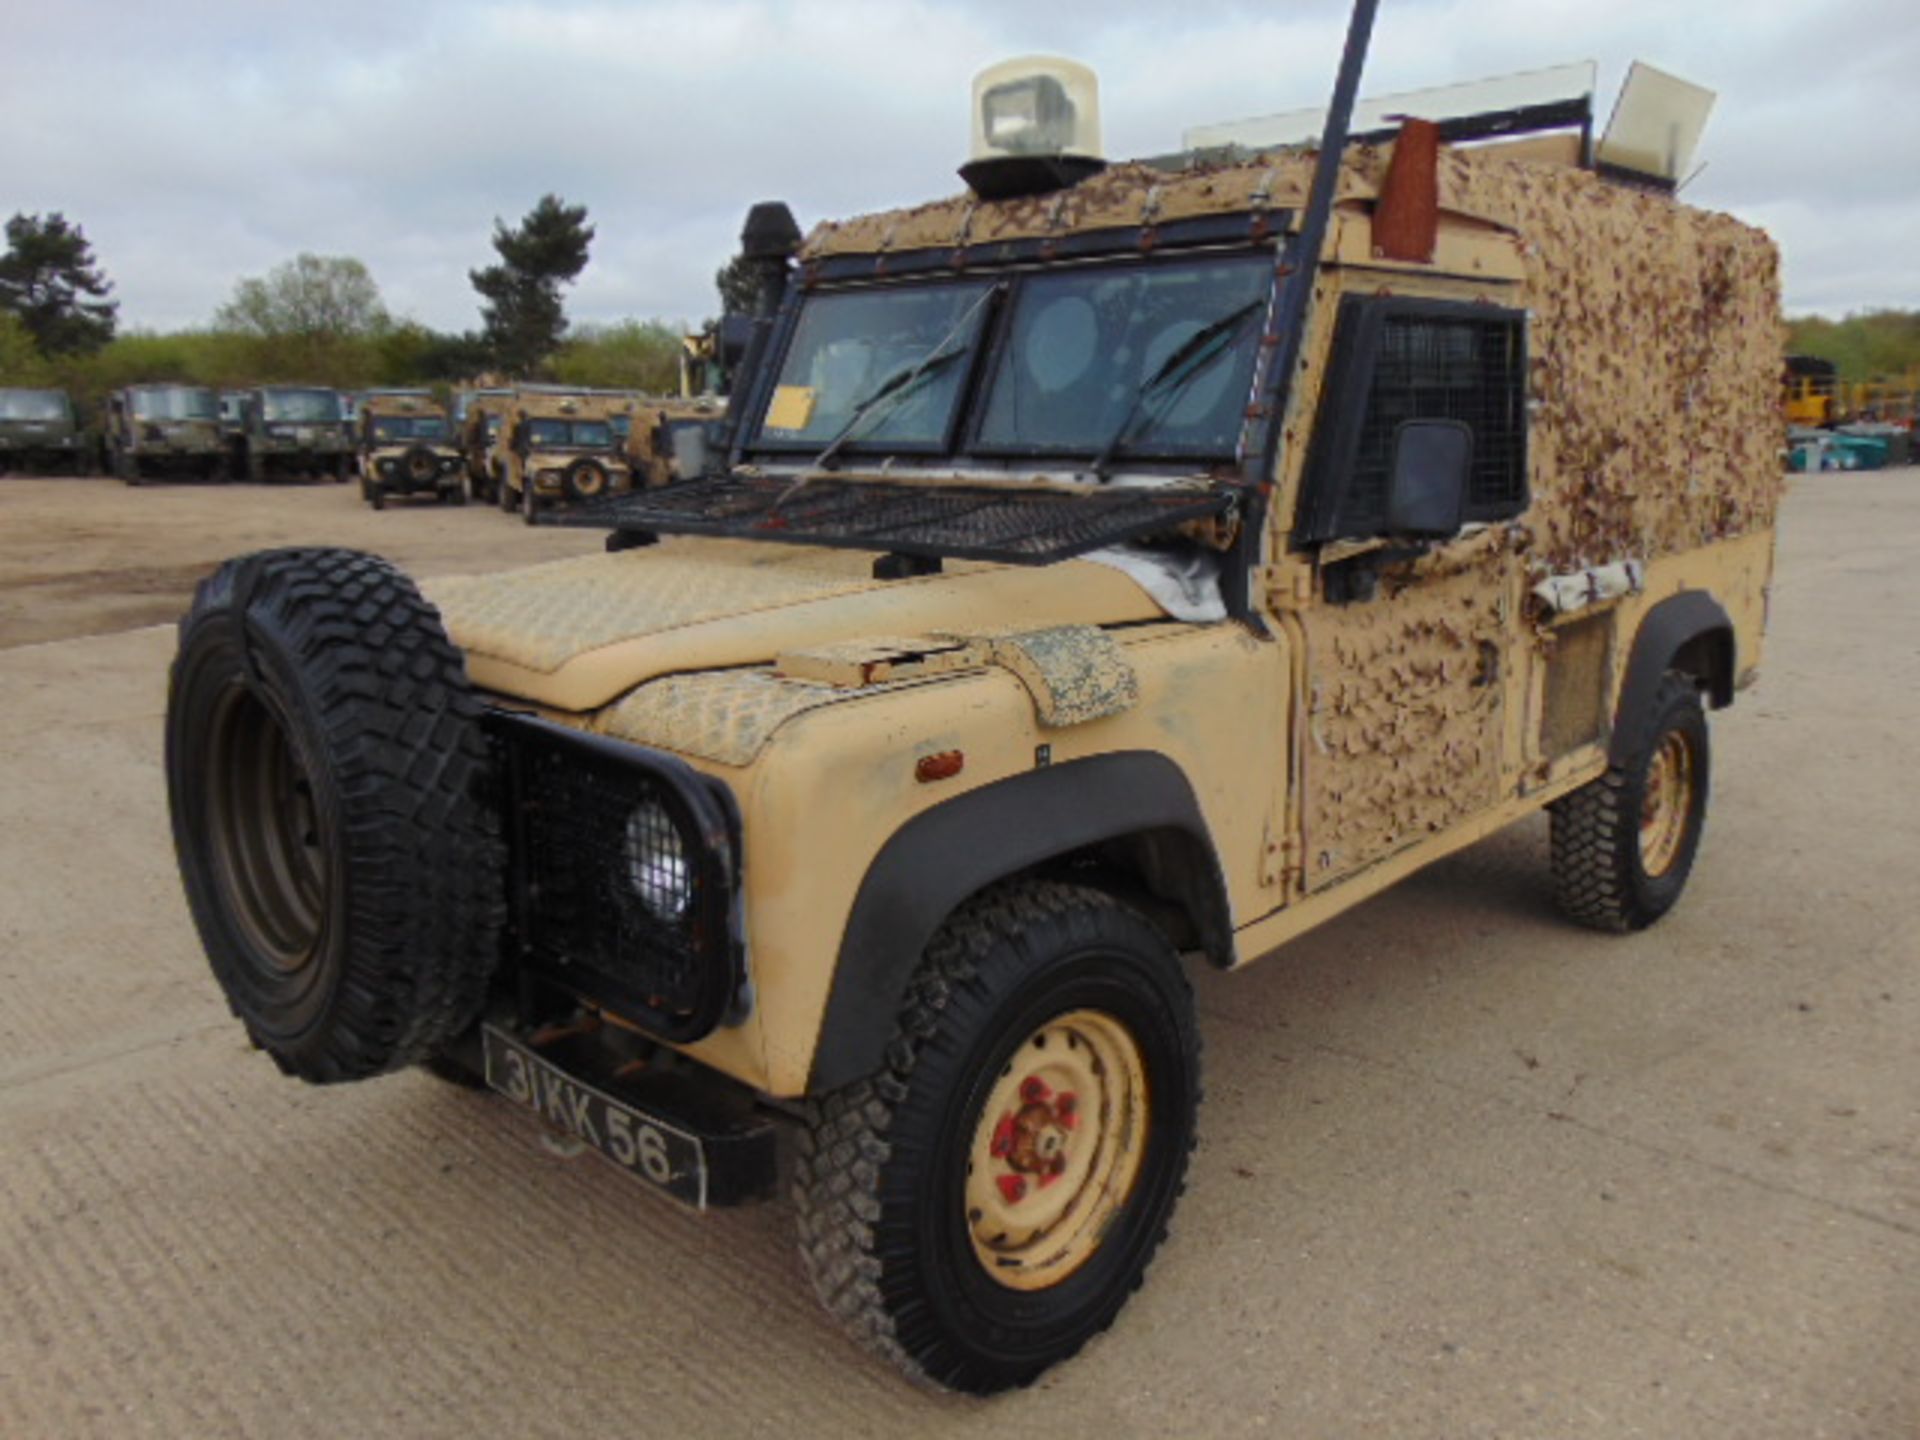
(1398, 360)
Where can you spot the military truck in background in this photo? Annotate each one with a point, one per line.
(554, 447)
(406, 448)
(296, 430)
(1112, 570)
(163, 430)
(39, 432)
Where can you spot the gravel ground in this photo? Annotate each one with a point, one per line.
(1465, 1171)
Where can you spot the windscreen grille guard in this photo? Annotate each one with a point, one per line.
(1003, 523)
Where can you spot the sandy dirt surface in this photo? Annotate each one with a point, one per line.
(89, 557)
(1465, 1171)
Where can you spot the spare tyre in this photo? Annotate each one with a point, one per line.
(421, 467)
(584, 479)
(329, 787)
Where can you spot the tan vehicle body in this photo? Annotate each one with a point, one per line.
(1331, 748)
(649, 446)
(515, 465)
(476, 443)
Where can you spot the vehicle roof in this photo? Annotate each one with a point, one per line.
(574, 406)
(399, 404)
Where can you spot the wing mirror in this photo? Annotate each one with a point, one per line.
(1427, 495)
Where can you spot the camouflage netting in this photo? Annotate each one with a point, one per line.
(1655, 335)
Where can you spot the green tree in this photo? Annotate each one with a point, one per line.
(639, 355)
(524, 318)
(21, 362)
(1872, 345)
(737, 286)
(316, 317)
(49, 278)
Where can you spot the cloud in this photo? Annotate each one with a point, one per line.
(210, 139)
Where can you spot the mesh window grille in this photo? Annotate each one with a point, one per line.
(1414, 360)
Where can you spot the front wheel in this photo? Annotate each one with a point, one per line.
(1623, 845)
(985, 1203)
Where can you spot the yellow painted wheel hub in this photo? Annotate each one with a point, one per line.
(1666, 805)
(1057, 1149)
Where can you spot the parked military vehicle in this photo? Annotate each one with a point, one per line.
(296, 430)
(670, 439)
(1111, 570)
(164, 431)
(406, 448)
(39, 432)
(555, 447)
(478, 416)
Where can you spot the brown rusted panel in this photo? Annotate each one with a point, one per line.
(1406, 221)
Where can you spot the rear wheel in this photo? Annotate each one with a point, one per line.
(985, 1203)
(326, 774)
(1624, 844)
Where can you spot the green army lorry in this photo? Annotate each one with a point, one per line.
(296, 430)
(40, 432)
(164, 431)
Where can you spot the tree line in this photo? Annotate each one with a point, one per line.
(321, 319)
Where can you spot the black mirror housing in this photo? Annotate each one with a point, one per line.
(1432, 460)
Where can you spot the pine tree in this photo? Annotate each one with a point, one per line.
(49, 278)
(523, 315)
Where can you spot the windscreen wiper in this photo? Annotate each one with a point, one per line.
(1211, 339)
(907, 376)
(888, 390)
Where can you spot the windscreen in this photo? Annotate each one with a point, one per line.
(876, 369)
(311, 407)
(399, 428)
(176, 402)
(548, 434)
(1149, 360)
(33, 405)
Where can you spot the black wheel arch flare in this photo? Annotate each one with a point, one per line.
(944, 855)
(1689, 631)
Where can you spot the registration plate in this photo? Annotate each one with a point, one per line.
(659, 1153)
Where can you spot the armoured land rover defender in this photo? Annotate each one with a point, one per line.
(406, 448)
(554, 446)
(656, 442)
(296, 430)
(38, 431)
(152, 431)
(1100, 581)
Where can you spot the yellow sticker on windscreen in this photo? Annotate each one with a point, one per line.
(792, 408)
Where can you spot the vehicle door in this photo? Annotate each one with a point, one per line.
(1418, 461)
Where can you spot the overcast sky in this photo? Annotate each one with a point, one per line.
(198, 141)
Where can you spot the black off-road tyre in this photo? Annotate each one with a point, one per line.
(883, 1165)
(1601, 878)
(330, 795)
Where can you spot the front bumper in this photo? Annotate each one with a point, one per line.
(675, 1126)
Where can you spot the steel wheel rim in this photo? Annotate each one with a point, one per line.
(1666, 804)
(264, 827)
(1057, 1149)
